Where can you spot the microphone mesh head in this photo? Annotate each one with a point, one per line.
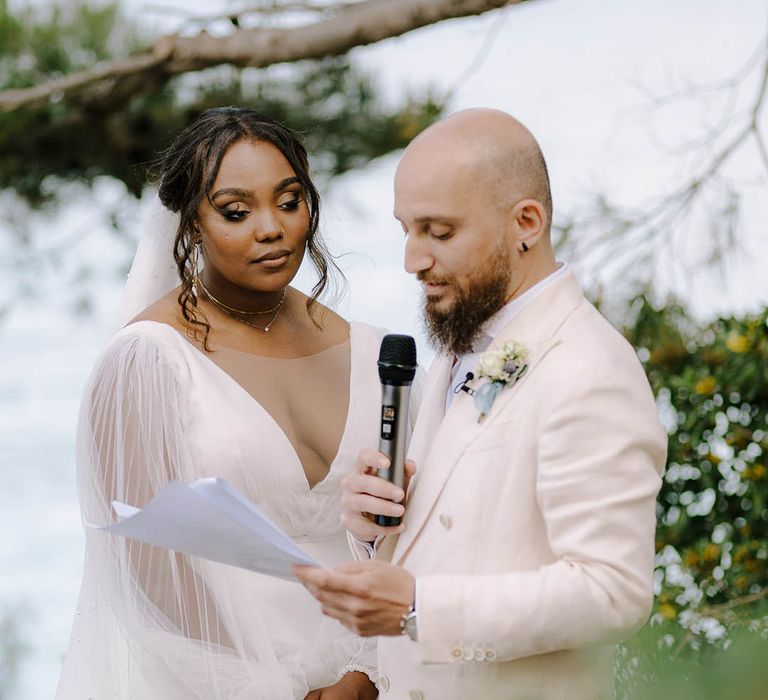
(397, 358)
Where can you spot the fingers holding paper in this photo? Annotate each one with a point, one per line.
(365, 495)
(369, 598)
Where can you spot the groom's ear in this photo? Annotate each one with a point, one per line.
(529, 223)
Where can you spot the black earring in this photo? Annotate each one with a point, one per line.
(525, 247)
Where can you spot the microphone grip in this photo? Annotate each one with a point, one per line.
(393, 439)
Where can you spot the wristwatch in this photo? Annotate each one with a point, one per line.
(408, 624)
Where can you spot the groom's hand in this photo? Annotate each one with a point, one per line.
(367, 597)
(365, 495)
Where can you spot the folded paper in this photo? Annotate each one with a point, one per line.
(211, 519)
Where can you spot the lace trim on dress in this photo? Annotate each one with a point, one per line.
(370, 671)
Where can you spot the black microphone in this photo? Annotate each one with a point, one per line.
(397, 368)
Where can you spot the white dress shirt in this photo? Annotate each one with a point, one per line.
(493, 326)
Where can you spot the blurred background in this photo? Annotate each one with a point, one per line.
(651, 116)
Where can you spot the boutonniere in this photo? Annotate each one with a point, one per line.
(500, 368)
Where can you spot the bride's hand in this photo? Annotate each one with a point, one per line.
(351, 686)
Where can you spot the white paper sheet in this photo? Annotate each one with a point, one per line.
(209, 518)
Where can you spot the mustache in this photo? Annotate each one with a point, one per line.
(430, 279)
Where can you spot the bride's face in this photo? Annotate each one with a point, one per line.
(254, 228)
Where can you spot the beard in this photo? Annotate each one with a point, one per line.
(455, 329)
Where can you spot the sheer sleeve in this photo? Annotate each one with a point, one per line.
(172, 638)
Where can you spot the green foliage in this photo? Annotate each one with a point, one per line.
(44, 41)
(713, 510)
(333, 104)
(40, 43)
(711, 616)
(653, 665)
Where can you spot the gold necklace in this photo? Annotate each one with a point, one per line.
(239, 311)
(231, 311)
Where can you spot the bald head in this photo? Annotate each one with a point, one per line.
(503, 154)
(472, 196)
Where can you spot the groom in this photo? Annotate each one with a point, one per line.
(527, 545)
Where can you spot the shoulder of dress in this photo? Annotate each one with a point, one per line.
(366, 334)
(363, 327)
(153, 331)
(150, 341)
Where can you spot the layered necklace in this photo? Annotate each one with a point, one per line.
(231, 312)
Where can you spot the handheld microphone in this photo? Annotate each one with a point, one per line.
(397, 367)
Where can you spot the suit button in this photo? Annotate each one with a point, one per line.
(490, 655)
(469, 654)
(456, 653)
(383, 684)
(416, 695)
(445, 521)
(479, 655)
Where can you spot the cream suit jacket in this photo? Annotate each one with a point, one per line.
(531, 534)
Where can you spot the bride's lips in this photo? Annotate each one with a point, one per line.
(275, 258)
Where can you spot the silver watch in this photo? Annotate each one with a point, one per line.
(408, 624)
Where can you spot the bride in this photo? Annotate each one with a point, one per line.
(232, 374)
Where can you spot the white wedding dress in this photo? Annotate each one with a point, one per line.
(155, 625)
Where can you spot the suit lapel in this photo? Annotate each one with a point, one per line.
(448, 443)
(439, 445)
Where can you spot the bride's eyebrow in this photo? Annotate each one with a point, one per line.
(233, 192)
(286, 183)
(245, 194)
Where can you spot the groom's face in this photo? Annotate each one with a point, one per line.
(459, 245)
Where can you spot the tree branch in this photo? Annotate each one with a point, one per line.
(646, 231)
(719, 609)
(358, 24)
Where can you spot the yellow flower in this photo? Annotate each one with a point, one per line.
(753, 473)
(741, 554)
(736, 342)
(705, 386)
(668, 611)
(711, 553)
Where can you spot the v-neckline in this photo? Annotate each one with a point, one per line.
(279, 429)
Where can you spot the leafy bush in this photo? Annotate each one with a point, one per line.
(711, 619)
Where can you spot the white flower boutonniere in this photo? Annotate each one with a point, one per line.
(500, 368)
